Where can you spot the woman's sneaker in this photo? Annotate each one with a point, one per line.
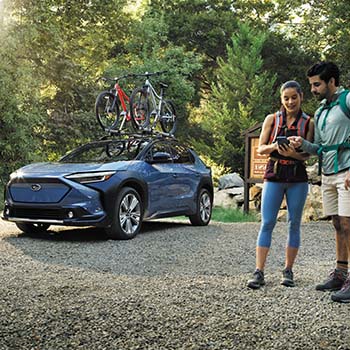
(287, 279)
(258, 280)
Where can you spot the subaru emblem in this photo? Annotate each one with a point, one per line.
(35, 187)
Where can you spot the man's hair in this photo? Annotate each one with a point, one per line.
(291, 84)
(326, 71)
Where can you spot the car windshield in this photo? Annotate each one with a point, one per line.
(106, 151)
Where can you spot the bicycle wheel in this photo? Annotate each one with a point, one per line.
(168, 117)
(139, 108)
(107, 110)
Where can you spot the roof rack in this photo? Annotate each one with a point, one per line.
(141, 134)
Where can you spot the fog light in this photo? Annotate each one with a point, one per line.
(70, 215)
(7, 211)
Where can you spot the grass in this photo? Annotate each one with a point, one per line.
(221, 214)
(232, 215)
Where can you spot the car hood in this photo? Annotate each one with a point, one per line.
(59, 169)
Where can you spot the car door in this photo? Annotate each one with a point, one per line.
(160, 178)
(186, 176)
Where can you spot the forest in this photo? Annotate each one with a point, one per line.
(225, 62)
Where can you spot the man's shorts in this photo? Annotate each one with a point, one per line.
(336, 199)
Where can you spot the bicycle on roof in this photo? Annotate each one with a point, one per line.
(112, 109)
(146, 102)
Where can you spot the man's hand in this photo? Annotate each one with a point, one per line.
(347, 180)
(296, 141)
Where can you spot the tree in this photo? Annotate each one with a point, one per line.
(151, 51)
(242, 96)
(20, 116)
(67, 45)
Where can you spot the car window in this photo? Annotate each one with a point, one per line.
(181, 154)
(159, 147)
(102, 152)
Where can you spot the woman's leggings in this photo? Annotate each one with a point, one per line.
(272, 196)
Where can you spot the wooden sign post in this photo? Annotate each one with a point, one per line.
(254, 164)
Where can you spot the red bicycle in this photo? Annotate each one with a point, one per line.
(111, 108)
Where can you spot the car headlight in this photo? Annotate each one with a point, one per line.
(85, 178)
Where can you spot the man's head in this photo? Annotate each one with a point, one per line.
(324, 79)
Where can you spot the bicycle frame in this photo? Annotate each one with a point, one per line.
(154, 98)
(122, 97)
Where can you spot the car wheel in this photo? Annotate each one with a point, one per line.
(204, 209)
(32, 228)
(128, 215)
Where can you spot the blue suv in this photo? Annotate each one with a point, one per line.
(114, 184)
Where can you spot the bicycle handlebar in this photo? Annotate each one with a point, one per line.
(132, 75)
(117, 78)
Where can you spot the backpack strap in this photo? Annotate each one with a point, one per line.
(341, 101)
(277, 126)
(303, 122)
(337, 147)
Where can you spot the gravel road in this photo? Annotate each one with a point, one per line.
(172, 287)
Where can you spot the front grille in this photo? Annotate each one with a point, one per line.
(30, 213)
(38, 192)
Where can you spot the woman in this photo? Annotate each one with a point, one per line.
(285, 175)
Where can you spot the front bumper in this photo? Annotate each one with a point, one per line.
(68, 216)
(75, 205)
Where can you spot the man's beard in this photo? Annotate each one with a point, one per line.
(319, 97)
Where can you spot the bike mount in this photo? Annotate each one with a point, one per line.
(141, 134)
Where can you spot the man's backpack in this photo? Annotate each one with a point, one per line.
(341, 101)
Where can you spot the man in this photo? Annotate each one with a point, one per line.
(332, 144)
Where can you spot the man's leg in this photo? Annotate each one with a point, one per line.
(337, 278)
(343, 254)
(342, 240)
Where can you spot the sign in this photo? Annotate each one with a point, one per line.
(257, 161)
(254, 163)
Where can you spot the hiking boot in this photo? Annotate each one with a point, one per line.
(343, 296)
(287, 278)
(334, 282)
(258, 280)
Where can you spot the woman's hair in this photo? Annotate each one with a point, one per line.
(291, 84)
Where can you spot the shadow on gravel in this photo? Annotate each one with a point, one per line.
(162, 247)
(91, 234)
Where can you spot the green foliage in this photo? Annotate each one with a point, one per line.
(242, 96)
(19, 117)
(152, 51)
(225, 61)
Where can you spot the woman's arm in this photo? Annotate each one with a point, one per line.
(290, 150)
(264, 146)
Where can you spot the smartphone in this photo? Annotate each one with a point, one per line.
(282, 140)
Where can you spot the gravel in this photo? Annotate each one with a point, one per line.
(172, 287)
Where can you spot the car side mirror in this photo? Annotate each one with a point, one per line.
(160, 157)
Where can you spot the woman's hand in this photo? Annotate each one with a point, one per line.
(286, 150)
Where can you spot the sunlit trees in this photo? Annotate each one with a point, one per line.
(241, 97)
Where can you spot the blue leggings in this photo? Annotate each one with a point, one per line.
(272, 196)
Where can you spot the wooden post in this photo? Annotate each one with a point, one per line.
(254, 163)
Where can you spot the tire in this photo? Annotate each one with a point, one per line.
(204, 209)
(32, 228)
(139, 109)
(127, 216)
(107, 110)
(168, 117)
